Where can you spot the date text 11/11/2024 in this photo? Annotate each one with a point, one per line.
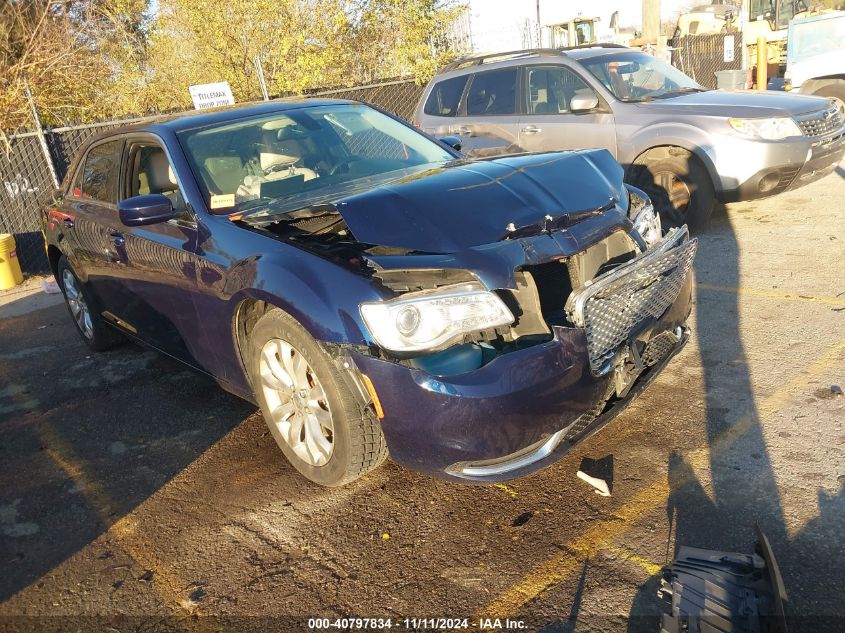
(416, 624)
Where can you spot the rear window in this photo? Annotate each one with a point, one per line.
(445, 97)
(493, 92)
(99, 175)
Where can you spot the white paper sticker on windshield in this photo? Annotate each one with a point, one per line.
(225, 201)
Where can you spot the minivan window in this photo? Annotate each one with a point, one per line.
(493, 92)
(99, 175)
(551, 88)
(445, 97)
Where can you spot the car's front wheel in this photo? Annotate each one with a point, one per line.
(312, 414)
(96, 333)
(680, 189)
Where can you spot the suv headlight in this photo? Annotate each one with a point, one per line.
(432, 319)
(646, 220)
(773, 129)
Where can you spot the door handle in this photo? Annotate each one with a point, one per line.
(117, 238)
(461, 129)
(530, 129)
(69, 223)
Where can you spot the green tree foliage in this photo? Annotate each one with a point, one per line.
(302, 44)
(87, 60)
(79, 59)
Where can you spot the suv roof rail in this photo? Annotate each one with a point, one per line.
(482, 58)
(596, 45)
(488, 58)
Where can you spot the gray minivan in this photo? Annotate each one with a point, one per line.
(685, 145)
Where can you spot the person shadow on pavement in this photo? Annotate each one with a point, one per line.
(744, 490)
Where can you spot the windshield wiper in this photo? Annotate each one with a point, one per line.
(679, 91)
(667, 94)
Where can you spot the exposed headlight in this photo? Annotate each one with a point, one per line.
(772, 129)
(432, 319)
(646, 220)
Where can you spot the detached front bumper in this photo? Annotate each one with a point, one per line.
(521, 411)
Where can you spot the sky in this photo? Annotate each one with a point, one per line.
(495, 23)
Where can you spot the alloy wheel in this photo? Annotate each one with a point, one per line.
(77, 304)
(297, 402)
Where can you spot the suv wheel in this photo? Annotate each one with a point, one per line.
(314, 417)
(680, 189)
(97, 334)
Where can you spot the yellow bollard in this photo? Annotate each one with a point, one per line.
(10, 268)
(762, 64)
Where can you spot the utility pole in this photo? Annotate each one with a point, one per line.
(539, 28)
(39, 132)
(651, 20)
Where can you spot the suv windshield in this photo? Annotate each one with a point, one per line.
(249, 163)
(635, 76)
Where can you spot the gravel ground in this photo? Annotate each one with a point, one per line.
(137, 495)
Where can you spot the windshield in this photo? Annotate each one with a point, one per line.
(635, 76)
(817, 37)
(250, 163)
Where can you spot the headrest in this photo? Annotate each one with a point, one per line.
(159, 172)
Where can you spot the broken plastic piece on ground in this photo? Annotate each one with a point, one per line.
(598, 473)
(50, 287)
(708, 590)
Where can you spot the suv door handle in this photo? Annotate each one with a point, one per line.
(530, 129)
(117, 238)
(461, 129)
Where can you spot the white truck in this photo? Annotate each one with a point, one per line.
(815, 57)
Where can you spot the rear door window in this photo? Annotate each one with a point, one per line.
(493, 92)
(445, 97)
(100, 172)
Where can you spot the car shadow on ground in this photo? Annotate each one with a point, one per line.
(744, 487)
(86, 438)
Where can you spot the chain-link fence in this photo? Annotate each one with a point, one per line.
(702, 56)
(26, 184)
(399, 96)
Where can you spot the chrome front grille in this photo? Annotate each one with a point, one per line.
(614, 305)
(821, 123)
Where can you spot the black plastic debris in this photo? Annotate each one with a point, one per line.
(712, 591)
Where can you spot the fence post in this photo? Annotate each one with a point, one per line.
(259, 69)
(42, 141)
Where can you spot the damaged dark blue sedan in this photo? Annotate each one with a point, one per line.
(370, 288)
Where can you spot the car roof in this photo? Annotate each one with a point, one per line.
(179, 121)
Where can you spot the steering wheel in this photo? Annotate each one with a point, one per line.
(344, 162)
(281, 167)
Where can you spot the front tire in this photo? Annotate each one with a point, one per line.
(680, 189)
(315, 418)
(95, 332)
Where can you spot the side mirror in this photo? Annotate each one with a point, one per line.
(452, 141)
(584, 102)
(147, 209)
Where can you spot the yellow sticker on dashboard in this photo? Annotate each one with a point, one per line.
(224, 201)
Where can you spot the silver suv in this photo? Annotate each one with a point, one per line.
(685, 145)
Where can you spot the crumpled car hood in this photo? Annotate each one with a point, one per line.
(473, 202)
